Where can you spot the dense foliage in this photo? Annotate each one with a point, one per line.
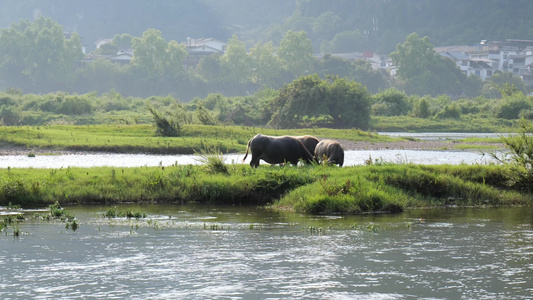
(333, 26)
(37, 57)
(308, 101)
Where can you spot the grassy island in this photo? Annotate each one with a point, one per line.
(316, 189)
(313, 189)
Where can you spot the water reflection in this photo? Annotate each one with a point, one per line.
(258, 253)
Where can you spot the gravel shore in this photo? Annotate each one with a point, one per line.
(347, 145)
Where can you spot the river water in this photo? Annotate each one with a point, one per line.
(352, 158)
(202, 252)
(357, 157)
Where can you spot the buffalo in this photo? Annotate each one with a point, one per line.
(330, 151)
(277, 150)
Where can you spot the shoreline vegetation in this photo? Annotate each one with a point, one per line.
(377, 187)
(315, 189)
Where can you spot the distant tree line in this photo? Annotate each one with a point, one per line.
(38, 58)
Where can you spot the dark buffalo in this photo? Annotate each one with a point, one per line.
(331, 151)
(277, 150)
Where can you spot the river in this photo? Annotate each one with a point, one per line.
(352, 158)
(202, 252)
(356, 157)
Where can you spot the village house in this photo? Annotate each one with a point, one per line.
(197, 48)
(512, 55)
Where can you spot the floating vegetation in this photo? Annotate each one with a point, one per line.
(314, 229)
(114, 213)
(56, 212)
(10, 220)
(370, 227)
(214, 226)
(253, 226)
(74, 225)
(16, 231)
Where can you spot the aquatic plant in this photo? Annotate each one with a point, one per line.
(74, 225)
(114, 213)
(16, 231)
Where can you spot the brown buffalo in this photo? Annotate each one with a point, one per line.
(331, 151)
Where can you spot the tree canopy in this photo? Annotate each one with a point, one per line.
(36, 56)
(332, 102)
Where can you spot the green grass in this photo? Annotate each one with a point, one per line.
(312, 189)
(392, 188)
(142, 139)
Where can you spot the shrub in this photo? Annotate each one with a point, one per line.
(452, 111)
(421, 109)
(520, 156)
(74, 106)
(165, 126)
(391, 102)
(9, 116)
(512, 106)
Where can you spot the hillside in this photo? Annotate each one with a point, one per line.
(333, 26)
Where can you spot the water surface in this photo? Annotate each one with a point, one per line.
(199, 252)
(352, 158)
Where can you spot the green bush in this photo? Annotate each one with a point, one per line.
(511, 107)
(391, 102)
(9, 116)
(451, 111)
(74, 106)
(520, 156)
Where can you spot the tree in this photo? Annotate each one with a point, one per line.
(347, 41)
(500, 79)
(265, 65)
(156, 58)
(296, 53)
(122, 41)
(303, 97)
(423, 71)
(235, 63)
(414, 56)
(340, 103)
(209, 68)
(349, 103)
(331, 65)
(37, 56)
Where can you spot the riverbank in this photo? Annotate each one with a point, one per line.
(314, 189)
(10, 149)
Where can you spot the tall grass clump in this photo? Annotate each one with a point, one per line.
(213, 159)
(165, 126)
